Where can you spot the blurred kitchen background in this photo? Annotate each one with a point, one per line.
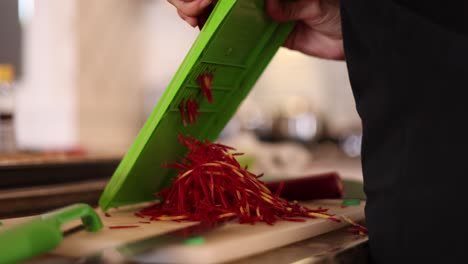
(88, 73)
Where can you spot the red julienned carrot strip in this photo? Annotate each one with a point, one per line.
(357, 228)
(137, 214)
(123, 226)
(205, 80)
(189, 111)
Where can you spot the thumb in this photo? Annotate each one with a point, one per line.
(287, 10)
(190, 8)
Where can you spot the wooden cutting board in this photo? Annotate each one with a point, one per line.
(229, 242)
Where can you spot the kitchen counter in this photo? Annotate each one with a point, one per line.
(82, 179)
(34, 183)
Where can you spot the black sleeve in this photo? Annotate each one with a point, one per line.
(408, 67)
(451, 15)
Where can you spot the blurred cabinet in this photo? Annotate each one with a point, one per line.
(10, 34)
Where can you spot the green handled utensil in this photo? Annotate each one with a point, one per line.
(29, 239)
(235, 44)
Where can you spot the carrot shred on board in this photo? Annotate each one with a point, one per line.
(123, 226)
(357, 228)
(212, 185)
(137, 214)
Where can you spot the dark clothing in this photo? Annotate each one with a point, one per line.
(408, 67)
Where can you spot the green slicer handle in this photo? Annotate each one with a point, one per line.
(29, 239)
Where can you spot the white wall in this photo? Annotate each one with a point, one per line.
(46, 99)
(109, 74)
(81, 83)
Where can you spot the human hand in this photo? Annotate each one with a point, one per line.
(189, 10)
(318, 28)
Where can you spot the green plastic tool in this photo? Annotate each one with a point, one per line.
(29, 239)
(235, 45)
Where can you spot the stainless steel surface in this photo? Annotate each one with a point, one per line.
(125, 253)
(339, 246)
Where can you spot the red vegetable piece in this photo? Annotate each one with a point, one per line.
(205, 80)
(189, 111)
(317, 186)
(192, 110)
(107, 214)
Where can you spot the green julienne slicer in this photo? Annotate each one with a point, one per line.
(235, 45)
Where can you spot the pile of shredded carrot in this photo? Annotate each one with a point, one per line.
(211, 185)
